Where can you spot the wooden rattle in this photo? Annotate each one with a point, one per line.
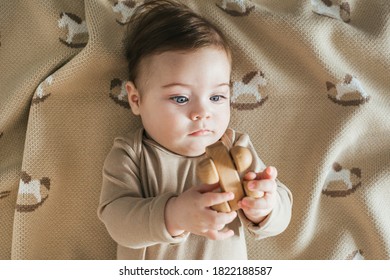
(224, 167)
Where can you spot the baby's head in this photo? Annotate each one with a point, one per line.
(179, 76)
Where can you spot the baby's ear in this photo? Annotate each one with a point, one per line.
(133, 97)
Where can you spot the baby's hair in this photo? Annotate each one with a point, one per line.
(165, 25)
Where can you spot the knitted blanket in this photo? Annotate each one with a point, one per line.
(310, 85)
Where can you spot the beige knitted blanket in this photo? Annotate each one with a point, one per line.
(310, 85)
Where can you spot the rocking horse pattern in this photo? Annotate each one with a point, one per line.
(332, 8)
(118, 93)
(341, 182)
(41, 93)
(236, 8)
(356, 255)
(124, 9)
(76, 28)
(251, 86)
(32, 192)
(349, 92)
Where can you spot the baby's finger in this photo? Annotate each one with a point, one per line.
(269, 173)
(219, 227)
(219, 235)
(214, 198)
(249, 176)
(256, 203)
(257, 213)
(264, 186)
(225, 218)
(252, 191)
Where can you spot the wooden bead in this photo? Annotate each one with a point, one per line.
(222, 207)
(228, 177)
(223, 167)
(207, 172)
(242, 158)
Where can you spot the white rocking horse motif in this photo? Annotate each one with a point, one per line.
(32, 187)
(349, 179)
(235, 7)
(118, 92)
(332, 8)
(125, 8)
(239, 3)
(75, 27)
(41, 95)
(356, 255)
(350, 86)
(250, 85)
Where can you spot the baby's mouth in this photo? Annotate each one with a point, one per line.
(200, 132)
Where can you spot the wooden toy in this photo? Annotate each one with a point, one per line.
(225, 167)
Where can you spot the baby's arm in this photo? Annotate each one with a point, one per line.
(271, 214)
(191, 212)
(133, 217)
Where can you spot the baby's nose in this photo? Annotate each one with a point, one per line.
(200, 114)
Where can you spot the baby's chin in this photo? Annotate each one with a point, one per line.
(198, 146)
(196, 150)
(191, 146)
(190, 149)
(191, 152)
(195, 153)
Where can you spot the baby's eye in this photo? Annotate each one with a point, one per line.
(180, 99)
(217, 98)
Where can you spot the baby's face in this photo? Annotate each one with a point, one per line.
(183, 98)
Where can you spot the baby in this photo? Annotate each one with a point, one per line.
(152, 203)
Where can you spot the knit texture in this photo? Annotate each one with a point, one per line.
(310, 86)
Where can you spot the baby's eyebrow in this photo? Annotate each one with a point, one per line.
(175, 85)
(223, 84)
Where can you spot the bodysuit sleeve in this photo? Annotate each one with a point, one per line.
(132, 219)
(278, 220)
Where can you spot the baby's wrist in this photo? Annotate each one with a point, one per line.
(170, 225)
(256, 219)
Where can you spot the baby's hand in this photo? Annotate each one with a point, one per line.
(264, 184)
(191, 212)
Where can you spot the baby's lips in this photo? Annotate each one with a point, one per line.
(200, 132)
